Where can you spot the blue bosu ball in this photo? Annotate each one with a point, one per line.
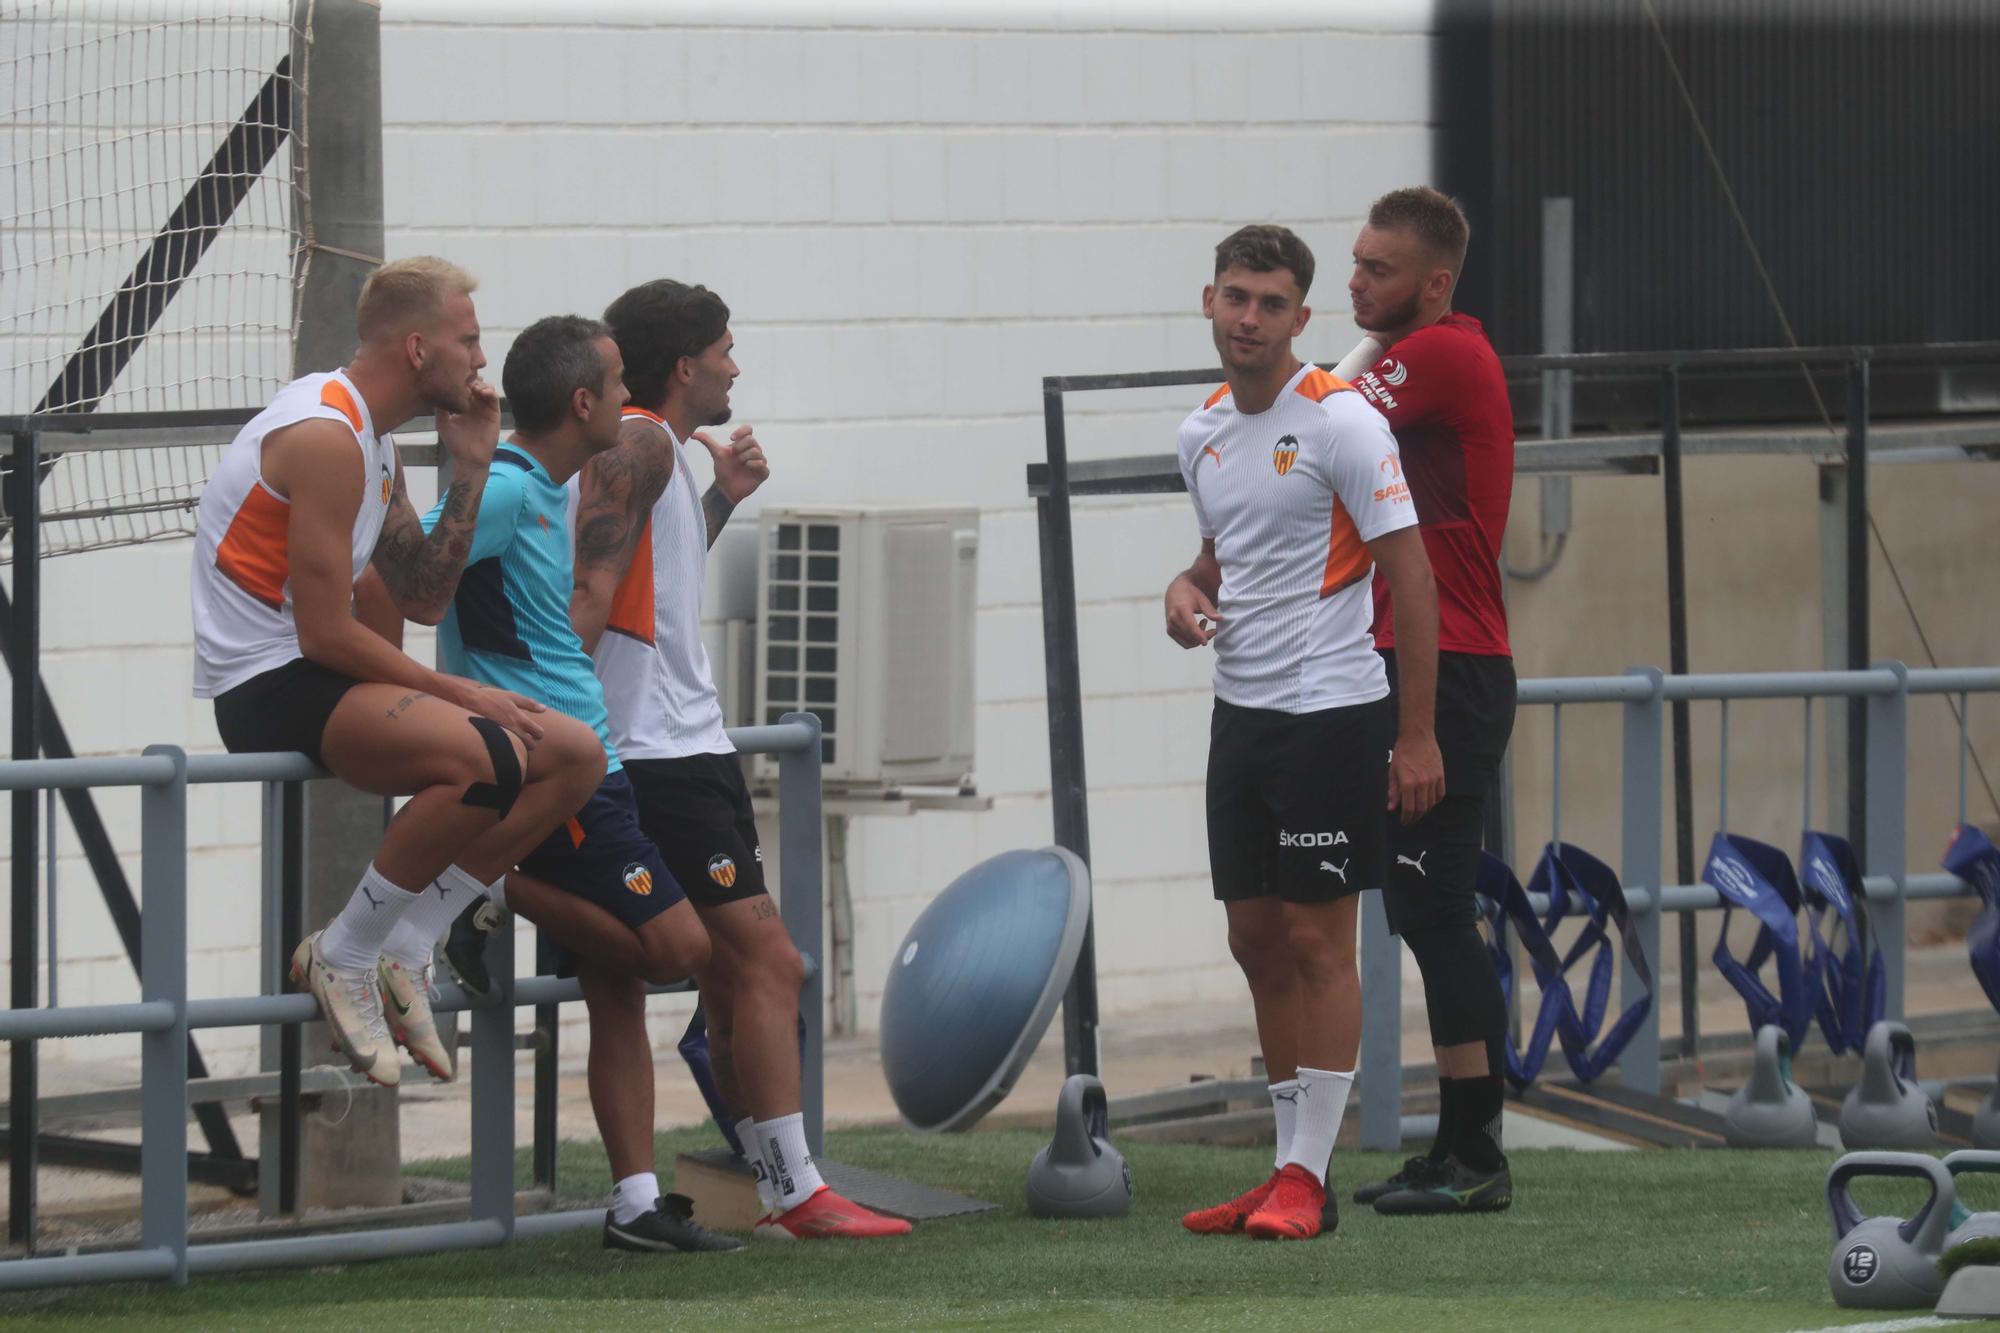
(976, 981)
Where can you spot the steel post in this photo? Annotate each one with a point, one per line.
(163, 1165)
(802, 906)
(1639, 867)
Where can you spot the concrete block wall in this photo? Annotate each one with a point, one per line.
(915, 213)
(913, 221)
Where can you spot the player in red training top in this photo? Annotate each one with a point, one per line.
(1440, 385)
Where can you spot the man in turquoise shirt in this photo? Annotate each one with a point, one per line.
(598, 886)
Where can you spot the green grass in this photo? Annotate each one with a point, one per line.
(1643, 1240)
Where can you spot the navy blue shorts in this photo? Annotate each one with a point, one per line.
(601, 856)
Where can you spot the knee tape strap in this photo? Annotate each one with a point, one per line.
(500, 793)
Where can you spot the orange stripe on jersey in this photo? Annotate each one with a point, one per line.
(1217, 396)
(254, 554)
(1347, 558)
(1318, 384)
(334, 394)
(575, 831)
(656, 419)
(632, 605)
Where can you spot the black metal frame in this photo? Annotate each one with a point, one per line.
(1054, 482)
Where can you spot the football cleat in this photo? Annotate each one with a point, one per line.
(1456, 1188)
(1415, 1173)
(406, 1002)
(464, 948)
(1293, 1209)
(352, 1006)
(670, 1226)
(827, 1216)
(1226, 1219)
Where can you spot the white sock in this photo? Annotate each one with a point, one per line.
(753, 1150)
(1322, 1103)
(354, 940)
(1285, 1109)
(411, 942)
(794, 1178)
(634, 1196)
(497, 891)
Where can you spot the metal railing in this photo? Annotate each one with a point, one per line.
(1844, 456)
(1643, 695)
(164, 1015)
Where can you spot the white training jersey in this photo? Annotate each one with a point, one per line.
(242, 581)
(1291, 496)
(658, 689)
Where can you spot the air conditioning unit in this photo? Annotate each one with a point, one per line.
(867, 621)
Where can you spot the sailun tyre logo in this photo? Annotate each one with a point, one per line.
(1284, 453)
(722, 870)
(1393, 372)
(639, 879)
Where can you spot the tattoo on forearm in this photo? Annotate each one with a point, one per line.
(619, 489)
(717, 508)
(421, 570)
(763, 909)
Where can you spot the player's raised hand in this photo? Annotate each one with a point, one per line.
(1191, 617)
(469, 437)
(740, 465)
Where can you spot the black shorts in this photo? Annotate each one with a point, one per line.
(1433, 862)
(285, 708)
(600, 855)
(1295, 801)
(696, 809)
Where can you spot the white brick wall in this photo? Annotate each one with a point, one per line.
(915, 212)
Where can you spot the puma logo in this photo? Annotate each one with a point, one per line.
(373, 901)
(1417, 865)
(1291, 1095)
(1340, 870)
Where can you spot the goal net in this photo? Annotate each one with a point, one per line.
(147, 231)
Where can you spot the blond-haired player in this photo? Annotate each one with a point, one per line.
(308, 502)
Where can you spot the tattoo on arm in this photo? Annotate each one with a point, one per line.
(716, 507)
(763, 909)
(619, 489)
(421, 569)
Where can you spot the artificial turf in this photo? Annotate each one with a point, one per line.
(1683, 1240)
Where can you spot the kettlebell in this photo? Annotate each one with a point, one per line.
(1965, 1224)
(1080, 1174)
(1770, 1111)
(1887, 1109)
(1887, 1263)
(1986, 1121)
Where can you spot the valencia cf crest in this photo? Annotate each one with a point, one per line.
(722, 870)
(639, 879)
(1285, 453)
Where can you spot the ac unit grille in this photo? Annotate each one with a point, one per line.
(802, 627)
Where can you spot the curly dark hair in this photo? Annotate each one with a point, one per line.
(1265, 248)
(656, 324)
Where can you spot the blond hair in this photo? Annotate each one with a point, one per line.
(407, 293)
(1433, 217)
